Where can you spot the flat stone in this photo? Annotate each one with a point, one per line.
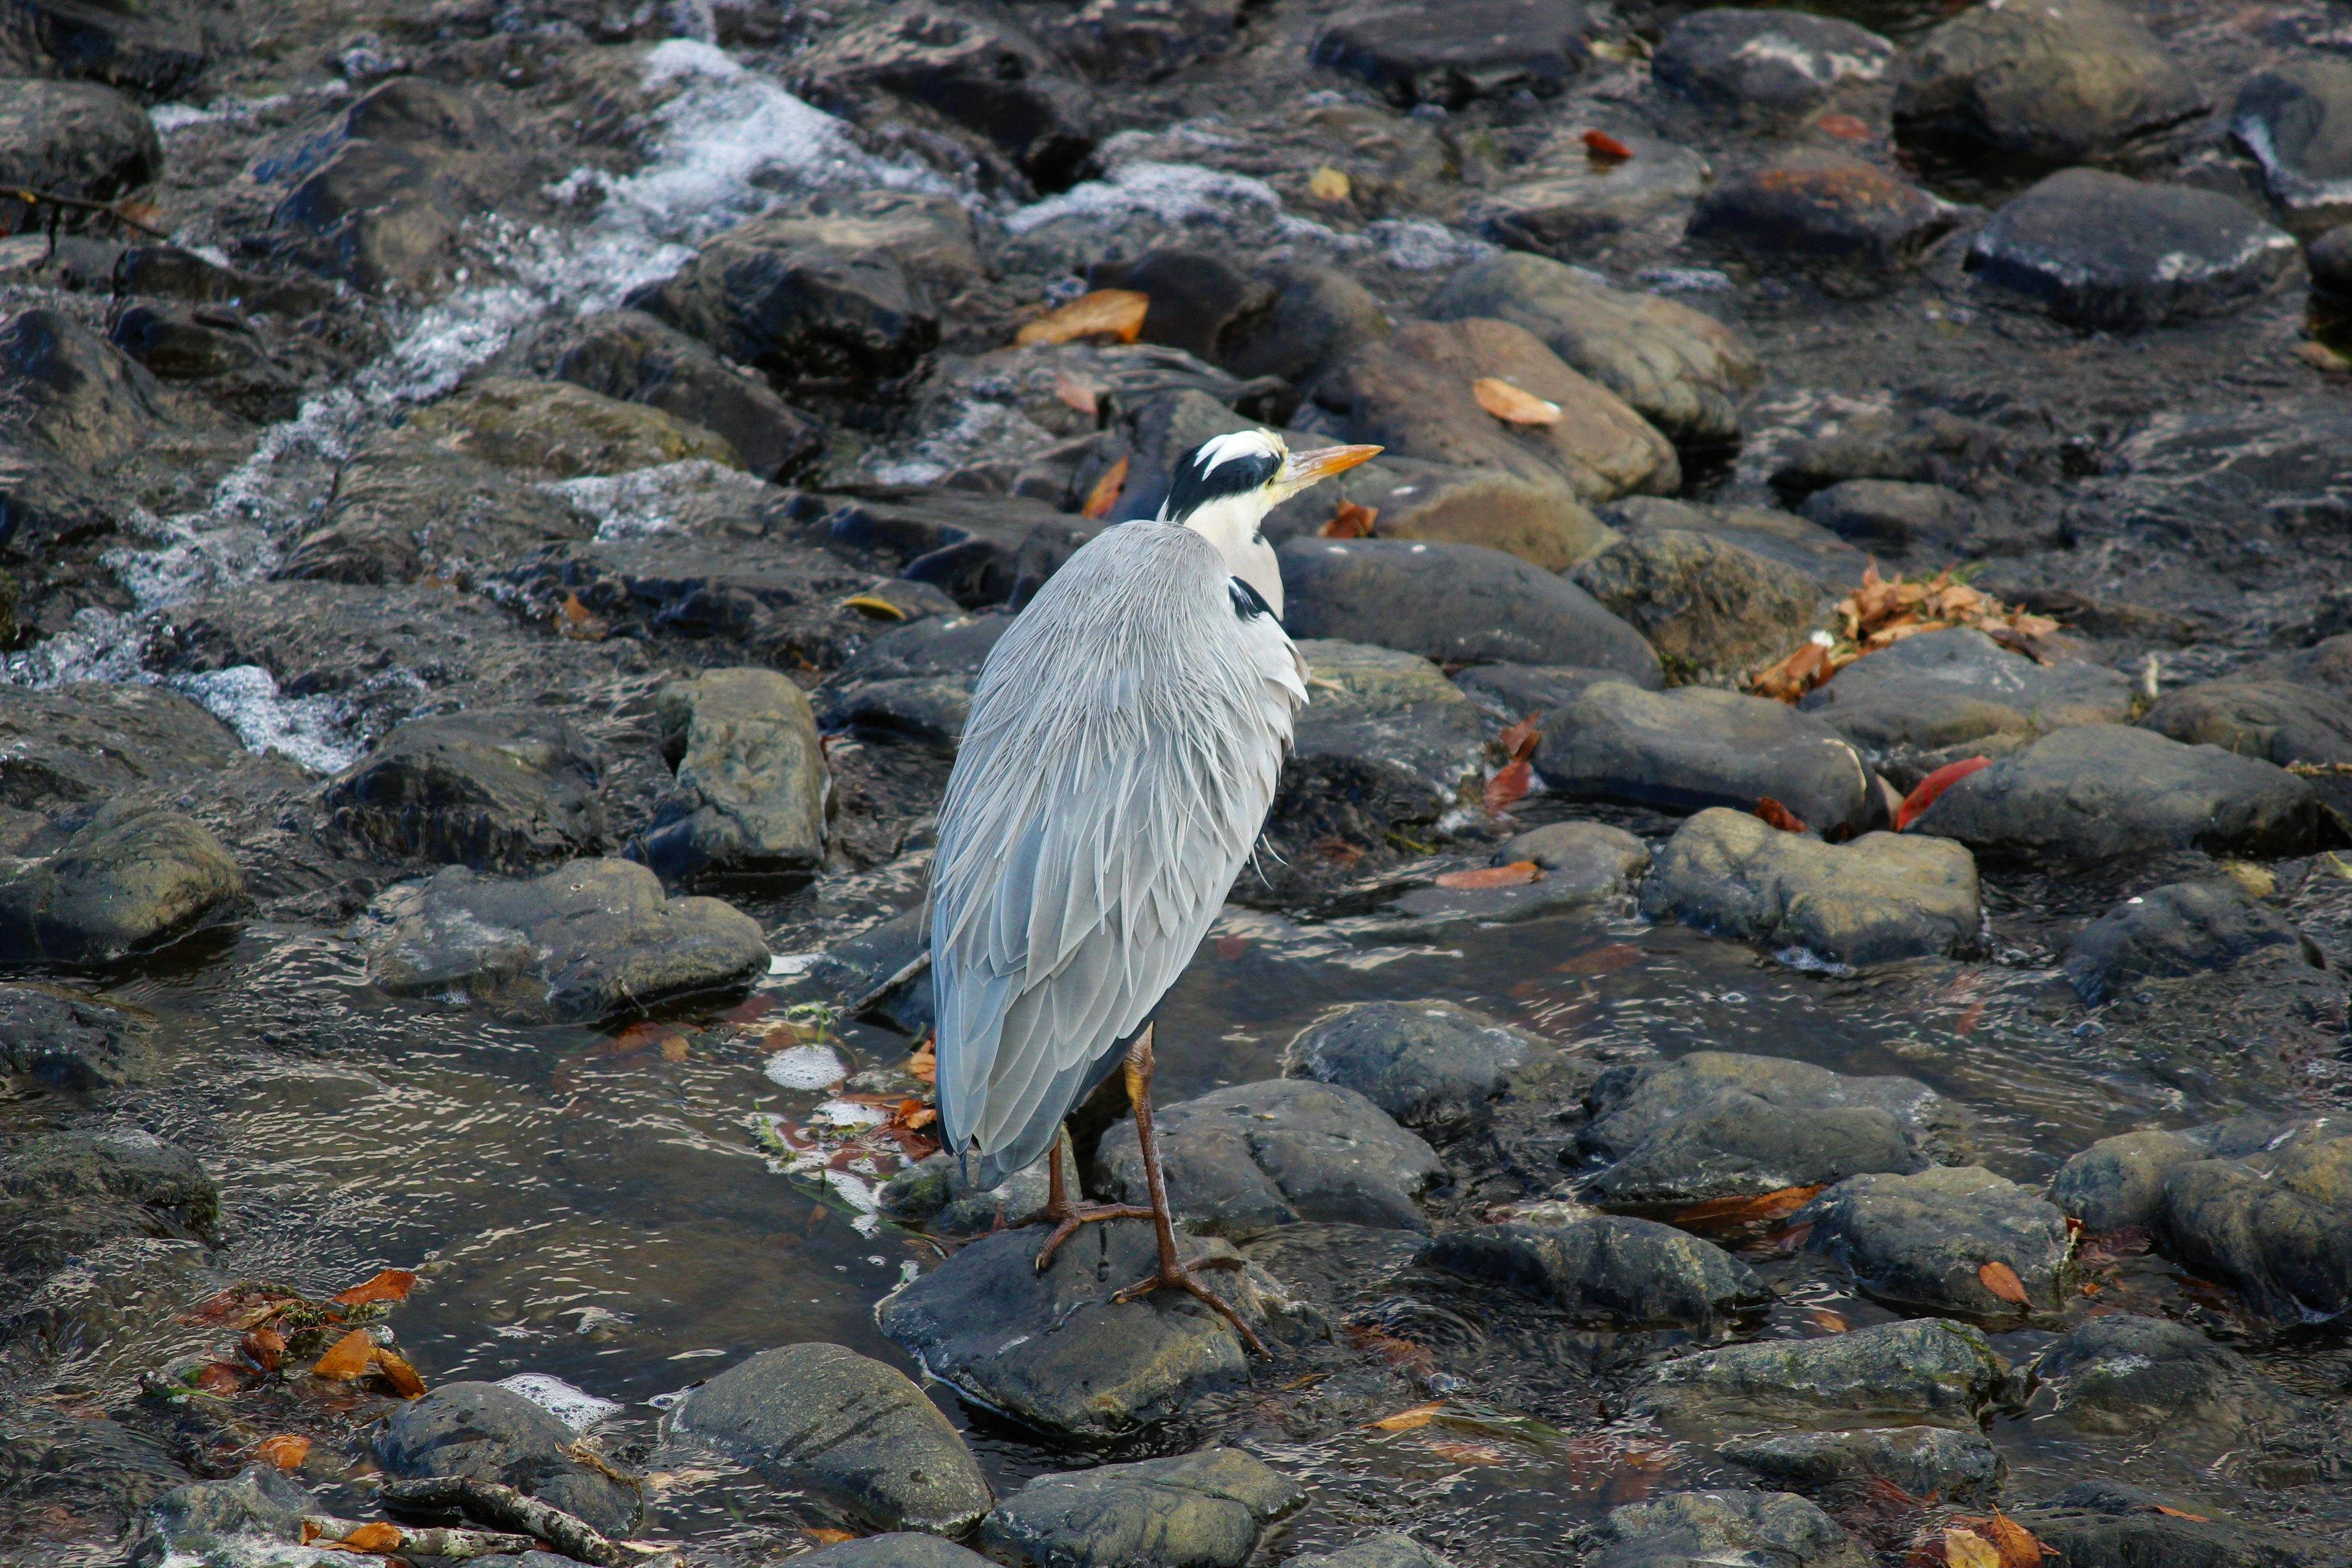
(372, 215)
(581, 942)
(1249, 1157)
(2296, 118)
(496, 789)
(1942, 697)
(486, 1432)
(2183, 927)
(1710, 607)
(1681, 369)
(632, 356)
(1780, 536)
(1566, 205)
(1921, 1240)
(1684, 1529)
(1391, 713)
(913, 682)
(555, 430)
(1890, 514)
(982, 551)
(129, 879)
(64, 1041)
(1696, 747)
(899, 1549)
(1880, 897)
(748, 806)
(65, 1195)
(406, 507)
(1632, 1273)
(1510, 692)
(1442, 1069)
(71, 392)
(2097, 250)
(1851, 227)
(2130, 1376)
(2108, 1525)
(1923, 1372)
(857, 1432)
(1957, 1466)
(1454, 603)
(1196, 1511)
(1579, 864)
(1386, 1550)
(1053, 1351)
(1718, 1124)
(1484, 48)
(2277, 720)
(2098, 791)
(1769, 65)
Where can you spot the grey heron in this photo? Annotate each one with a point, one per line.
(1124, 743)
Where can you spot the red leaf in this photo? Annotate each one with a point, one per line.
(391, 1285)
(2002, 1281)
(285, 1450)
(1747, 1210)
(1934, 784)
(1774, 814)
(1509, 783)
(1105, 495)
(1350, 521)
(1604, 148)
(1845, 127)
(1521, 738)
(1518, 873)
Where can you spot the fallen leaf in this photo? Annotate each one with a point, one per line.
(2017, 1545)
(1518, 873)
(1105, 495)
(1116, 313)
(1794, 676)
(1350, 520)
(574, 611)
(1395, 1350)
(1967, 1549)
(1845, 127)
(1512, 405)
(1406, 1420)
(1464, 1453)
(394, 1370)
(923, 1067)
(1081, 396)
(1753, 1210)
(146, 214)
(867, 604)
(2002, 1281)
(1831, 1322)
(825, 1535)
(2180, 1513)
(263, 1346)
(1520, 739)
(1339, 852)
(1603, 960)
(1604, 148)
(921, 1117)
(285, 1450)
(1774, 814)
(390, 1284)
(1508, 785)
(1915, 804)
(348, 1357)
(224, 1377)
(1328, 185)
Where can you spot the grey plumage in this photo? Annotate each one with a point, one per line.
(1124, 744)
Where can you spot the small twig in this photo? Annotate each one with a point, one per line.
(907, 972)
(31, 197)
(504, 1507)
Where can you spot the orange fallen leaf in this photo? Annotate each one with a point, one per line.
(1330, 184)
(1774, 814)
(1604, 148)
(1406, 1420)
(1464, 1453)
(391, 1285)
(2018, 1546)
(264, 1345)
(224, 1377)
(1105, 495)
(1508, 785)
(923, 1067)
(1845, 127)
(1753, 1210)
(869, 605)
(347, 1358)
(1606, 960)
(2180, 1513)
(285, 1450)
(1084, 397)
(2002, 1281)
(375, 1537)
(574, 611)
(1520, 739)
(1511, 405)
(1789, 679)
(1518, 873)
(920, 1118)
(825, 1535)
(1831, 1322)
(1116, 313)
(1350, 520)
(1917, 803)
(394, 1368)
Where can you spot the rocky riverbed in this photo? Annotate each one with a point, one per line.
(502, 507)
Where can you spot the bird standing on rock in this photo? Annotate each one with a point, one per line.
(1123, 748)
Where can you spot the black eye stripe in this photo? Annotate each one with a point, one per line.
(1193, 486)
(1247, 601)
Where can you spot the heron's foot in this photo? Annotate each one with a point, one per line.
(1182, 1278)
(1066, 1221)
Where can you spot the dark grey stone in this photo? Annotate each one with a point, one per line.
(1765, 64)
(1953, 1465)
(1579, 864)
(1386, 1550)
(1484, 48)
(203, 1518)
(129, 879)
(2330, 259)
(2277, 720)
(1566, 205)
(983, 551)
(487, 1433)
(2132, 1377)
(1634, 1273)
(2180, 929)
(1921, 1372)
(1780, 536)
(64, 1194)
(748, 805)
(496, 789)
(1684, 1529)
(404, 508)
(68, 390)
(372, 215)
(1198, 1510)
(2119, 1183)
(1511, 692)
(631, 356)
(1852, 226)
(2110, 1524)
(1435, 1066)
(63, 1041)
(913, 682)
(1713, 609)
(901, 1548)
(1385, 713)
(1920, 1241)
(1889, 514)
(71, 139)
(2296, 118)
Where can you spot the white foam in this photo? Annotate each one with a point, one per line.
(575, 1407)
(981, 431)
(1173, 192)
(314, 732)
(807, 1068)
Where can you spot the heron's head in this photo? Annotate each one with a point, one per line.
(1226, 485)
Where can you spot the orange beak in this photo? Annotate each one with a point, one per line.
(1305, 468)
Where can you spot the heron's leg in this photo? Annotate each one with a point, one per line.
(1174, 1273)
(1064, 1216)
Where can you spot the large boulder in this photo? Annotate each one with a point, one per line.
(854, 1431)
(1766, 65)
(2183, 927)
(131, 879)
(1435, 1066)
(2280, 721)
(405, 507)
(749, 800)
(1481, 48)
(1200, 1511)
(631, 356)
(1710, 607)
(2127, 1375)
(2296, 118)
(486, 1432)
(68, 390)
(1851, 227)
(72, 139)
(496, 789)
(1695, 747)
(372, 215)
(1927, 1372)
(1883, 896)
(2099, 792)
(556, 430)
(1684, 1530)
(1957, 1466)
(1629, 1273)
(1928, 1240)
(1392, 716)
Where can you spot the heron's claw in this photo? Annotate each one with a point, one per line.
(1066, 1223)
(1181, 1279)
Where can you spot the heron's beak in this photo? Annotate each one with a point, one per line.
(1301, 469)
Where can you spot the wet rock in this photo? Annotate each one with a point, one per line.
(2127, 1375)
(1708, 606)
(1889, 514)
(854, 1430)
(1565, 205)
(2180, 929)
(488, 1433)
(1920, 1240)
(914, 682)
(1942, 697)
(373, 216)
(2100, 791)
(1959, 1466)
(1716, 1124)
(901, 1548)
(129, 879)
(1053, 1351)
(173, 272)
(935, 1195)
(65, 388)
(581, 942)
(1481, 50)
(63, 1041)
(1681, 369)
(1435, 1066)
(982, 551)
(1682, 1530)
(1537, 521)
(1769, 65)
(1453, 603)
(1139, 39)
(1882, 897)
(630, 355)
(1386, 1550)
(1316, 315)
(929, 238)
(1695, 747)
(2108, 1525)
(2081, 81)
(204, 1519)
(70, 139)
(554, 430)
(2276, 720)
(1581, 864)
(405, 507)
(2119, 1183)
(1926, 445)
(1853, 228)
(1200, 302)
(1924, 1371)
(216, 350)
(64, 1194)
(856, 968)
(2276, 1223)
(1390, 732)
(1411, 393)
(1510, 692)
(2097, 250)
(750, 800)
(151, 51)
(1203, 1510)
(1247, 1157)
(1634, 1273)
(2296, 119)
(87, 742)
(496, 789)
(1780, 536)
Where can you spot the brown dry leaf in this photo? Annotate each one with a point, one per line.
(923, 1067)
(2002, 1281)
(395, 1368)
(1464, 1453)
(1512, 405)
(1604, 148)
(1518, 874)
(1508, 785)
(1328, 185)
(1081, 396)
(1105, 495)
(1406, 1420)
(1772, 814)
(1789, 679)
(285, 1450)
(1114, 313)
(2018, 1546)
(1967, 1549)
(377, 1537)
(920, 1118)
(264, 1346)
(390, 1284)
(1831, 1322)
(347, 1358)
(2180, 1513)
(825, 1535)
(1350, 520)
(867, 604)
(1756, 1210)
(1606, 960)
(575, 612)
(1520, 739)
(224, 1377)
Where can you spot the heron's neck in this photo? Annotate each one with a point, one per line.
(1231, 523)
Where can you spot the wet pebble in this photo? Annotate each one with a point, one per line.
(1198, 1510)
(1850, 226)
(2181, 927)
(1924, 1371)
(487, 1433)
(1939, 1240)
(1682, 1530)
(1938, 1461)
(1630, 1273)
(1770, 64)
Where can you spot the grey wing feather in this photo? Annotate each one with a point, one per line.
(1122, 751)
